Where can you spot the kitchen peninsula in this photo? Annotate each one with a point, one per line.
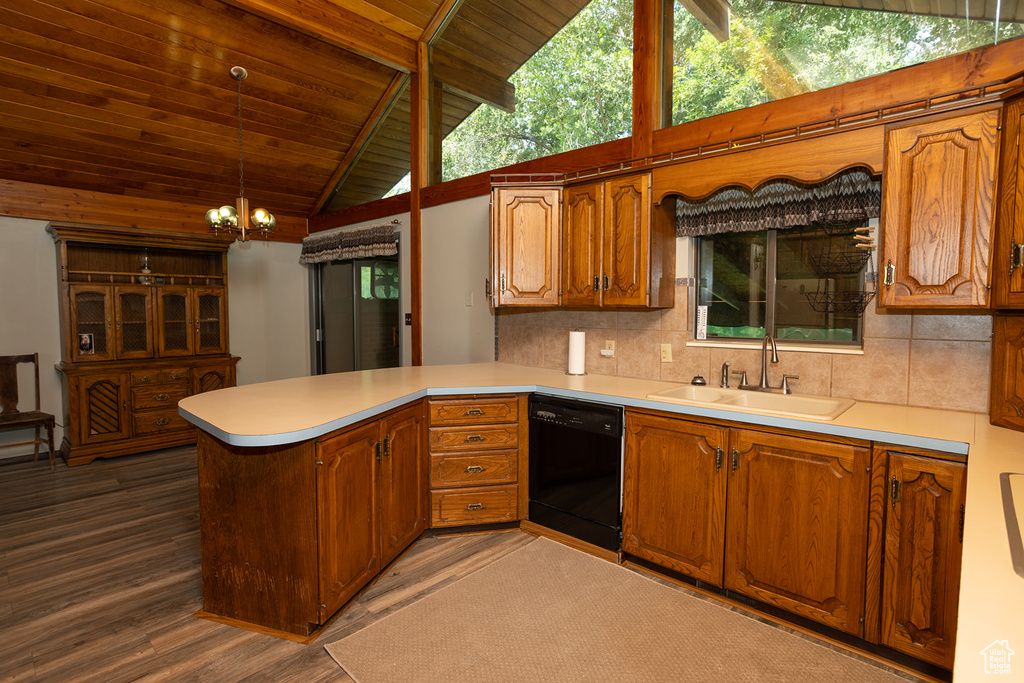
(288, 416)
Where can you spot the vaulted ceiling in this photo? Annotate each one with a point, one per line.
(134, 97)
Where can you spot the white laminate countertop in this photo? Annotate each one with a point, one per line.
(991, 593)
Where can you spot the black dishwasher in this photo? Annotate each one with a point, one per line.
(576, 468)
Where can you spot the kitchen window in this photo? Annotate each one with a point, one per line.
(767, 281)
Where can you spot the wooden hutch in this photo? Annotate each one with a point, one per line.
(143, 324)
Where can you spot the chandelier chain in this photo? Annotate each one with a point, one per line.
(241, 166)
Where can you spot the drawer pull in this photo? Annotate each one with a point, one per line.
(472, 469)
(474, 412)
(145, 378)
(160, 397)
(162, 421)
(472, 438)
(475, 506)
(178, 375)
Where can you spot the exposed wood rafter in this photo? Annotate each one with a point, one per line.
(372, 35)
(712, 14)
(465, 79)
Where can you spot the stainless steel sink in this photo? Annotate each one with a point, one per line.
(788, 405)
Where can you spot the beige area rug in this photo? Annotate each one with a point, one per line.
(547, 612)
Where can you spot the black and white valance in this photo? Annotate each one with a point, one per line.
(853, 195)
(350, 243)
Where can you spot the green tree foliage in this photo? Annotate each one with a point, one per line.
(577, 90)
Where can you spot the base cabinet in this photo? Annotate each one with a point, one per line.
(290, 533)
(796, 525)
(476, 466)
(867, 541)
(923, 551)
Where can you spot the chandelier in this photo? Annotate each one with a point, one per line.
(237, 219)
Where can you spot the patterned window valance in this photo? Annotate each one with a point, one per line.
(349, 243)
(853, 195)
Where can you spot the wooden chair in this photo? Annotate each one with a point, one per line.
(11, 418)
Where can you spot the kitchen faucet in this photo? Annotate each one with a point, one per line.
(764, 360)
(784, 388)
(725, 375)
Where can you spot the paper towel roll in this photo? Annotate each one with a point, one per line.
(577, 352)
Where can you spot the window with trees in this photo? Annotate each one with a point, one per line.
(781, 49)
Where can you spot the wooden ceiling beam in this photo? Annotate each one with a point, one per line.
(446, 11)
(471, 82)
(341, 26)
(379, 115)
(712, 14)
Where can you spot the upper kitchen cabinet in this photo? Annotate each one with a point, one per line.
(604, 245)
(525, 233)
(1008, 260)
(617, 249)
(939, 181)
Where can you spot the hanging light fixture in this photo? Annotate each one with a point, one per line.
(238, 220)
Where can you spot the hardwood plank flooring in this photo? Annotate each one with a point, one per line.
(100, 577)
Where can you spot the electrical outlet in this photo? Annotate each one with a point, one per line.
(666, 353)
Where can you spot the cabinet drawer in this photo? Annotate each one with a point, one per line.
(484, 437)
(152, 421)
(485, 505)
(473, 469)
(474, 411)
(158, 396)
(143, 378)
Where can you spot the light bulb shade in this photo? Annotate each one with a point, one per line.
(263, 219)
(213, 218)
(227, 217)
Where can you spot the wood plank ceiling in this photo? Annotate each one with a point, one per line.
(133, 97)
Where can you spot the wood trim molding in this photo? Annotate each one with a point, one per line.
(50, 203)
(419, 174)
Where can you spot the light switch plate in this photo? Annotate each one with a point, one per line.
(666, 353)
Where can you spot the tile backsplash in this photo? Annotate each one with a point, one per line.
(929, 360)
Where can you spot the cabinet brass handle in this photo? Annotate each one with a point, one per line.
(474, 412)
(472, 469)
(473, 438)
(145, 378)
(475, 506)
(177, 375)
(162, 421)
(160, 397)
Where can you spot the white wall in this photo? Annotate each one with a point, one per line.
(268, 311)
(29, 317)
(458, 323)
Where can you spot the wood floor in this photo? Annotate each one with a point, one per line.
(99, 579)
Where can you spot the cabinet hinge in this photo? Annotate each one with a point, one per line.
(894, 491)
(735, 460)
(961, 523)
(376, 451)
(719, 458)
(387, 447)
(1016, 256)
(889, 279)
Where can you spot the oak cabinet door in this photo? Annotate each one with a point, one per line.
(403, 486)
(627, 235)
(174, 321)
(796, 526)
(102, 407)
(133, 321)
(581, 245)
(674, 488)
(347, 521)
(939, 181)
(527, 231)
(92, 323)
(210, 307)
(923, 544)
(1008, 259)
(1006, 403)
